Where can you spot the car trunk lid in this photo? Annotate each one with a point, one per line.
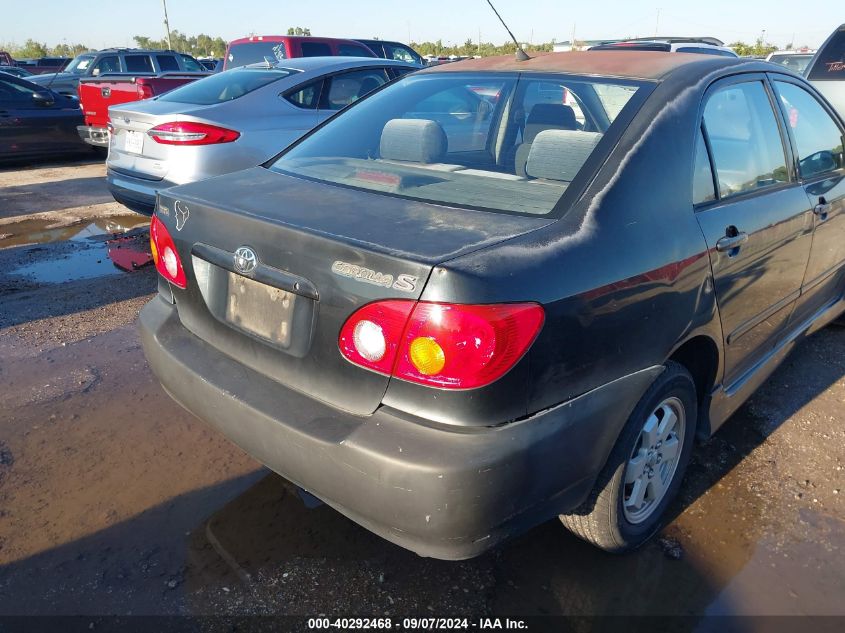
(132, 151)
(323, 251)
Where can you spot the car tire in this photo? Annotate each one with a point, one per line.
(618, 515)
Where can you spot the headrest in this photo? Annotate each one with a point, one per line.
(413, 140)
(559, 154)
(545, 116)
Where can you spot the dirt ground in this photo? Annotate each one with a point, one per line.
(113, 500)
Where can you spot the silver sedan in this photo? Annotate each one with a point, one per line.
(230, 121)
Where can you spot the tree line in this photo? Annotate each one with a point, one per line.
(203, 45)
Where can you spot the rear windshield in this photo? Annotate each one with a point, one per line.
(795, 63)
(491, 141)
(830, 61)
(255, 52)
(225, 86)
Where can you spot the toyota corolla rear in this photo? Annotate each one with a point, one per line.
(213, 126)
(307, 310)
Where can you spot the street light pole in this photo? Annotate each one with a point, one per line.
(167, 25)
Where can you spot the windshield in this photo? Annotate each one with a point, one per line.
(255, 52)
(491, 141)
(79, 64)
(226, 86)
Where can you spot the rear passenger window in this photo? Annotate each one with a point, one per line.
(138, 64)
(817, 136)
(702, 179)
(748, 153)
(167, 62)
(315, 49)
(348, 87)
(307, 97)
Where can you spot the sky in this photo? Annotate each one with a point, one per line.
(100, 24)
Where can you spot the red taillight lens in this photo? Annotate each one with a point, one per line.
(165, 255)
(371, 337)
(188, 133)
(451, 346)
(145, 91)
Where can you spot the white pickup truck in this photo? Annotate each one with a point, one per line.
(827, 70)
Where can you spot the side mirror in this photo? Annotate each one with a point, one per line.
(43, 98)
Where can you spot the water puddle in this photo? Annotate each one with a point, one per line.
(46, 231)
(91, 249)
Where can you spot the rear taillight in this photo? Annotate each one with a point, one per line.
(446, 345)
(165, 255)
(145, 91)
(189, 133)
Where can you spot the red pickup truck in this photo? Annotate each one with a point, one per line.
(96, 94)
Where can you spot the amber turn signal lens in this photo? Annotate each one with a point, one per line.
(427, 356)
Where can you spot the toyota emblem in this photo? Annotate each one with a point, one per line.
(245, 260)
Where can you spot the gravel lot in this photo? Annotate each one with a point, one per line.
(113, 500)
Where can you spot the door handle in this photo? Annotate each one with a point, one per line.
(822, 209)
(732, 241)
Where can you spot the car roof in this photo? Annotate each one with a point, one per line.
(635, 64)
(334, 62)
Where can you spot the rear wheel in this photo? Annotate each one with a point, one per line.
(645, 467)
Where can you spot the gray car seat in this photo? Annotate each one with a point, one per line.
(543, 116)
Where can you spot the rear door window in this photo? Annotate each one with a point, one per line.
(829, 64)
(745, 139)
(138, 64)
(346, 88)
(307, 97)
(315, 49)
(167, 63)
(703, 189)
(817, 136)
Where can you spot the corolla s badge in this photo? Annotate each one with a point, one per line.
(405, 283)
(245, 260)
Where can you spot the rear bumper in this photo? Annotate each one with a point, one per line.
(136, 193)
(443, 493)
(96, 136)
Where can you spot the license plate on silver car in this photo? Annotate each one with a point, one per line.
(134, 142)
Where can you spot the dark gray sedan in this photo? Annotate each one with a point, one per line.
(230, 121)
(451, 324)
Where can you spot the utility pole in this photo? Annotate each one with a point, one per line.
(572, 41)
(657, 24)
(167, 24)
(479, 42)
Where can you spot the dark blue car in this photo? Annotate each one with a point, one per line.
(36, 122)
